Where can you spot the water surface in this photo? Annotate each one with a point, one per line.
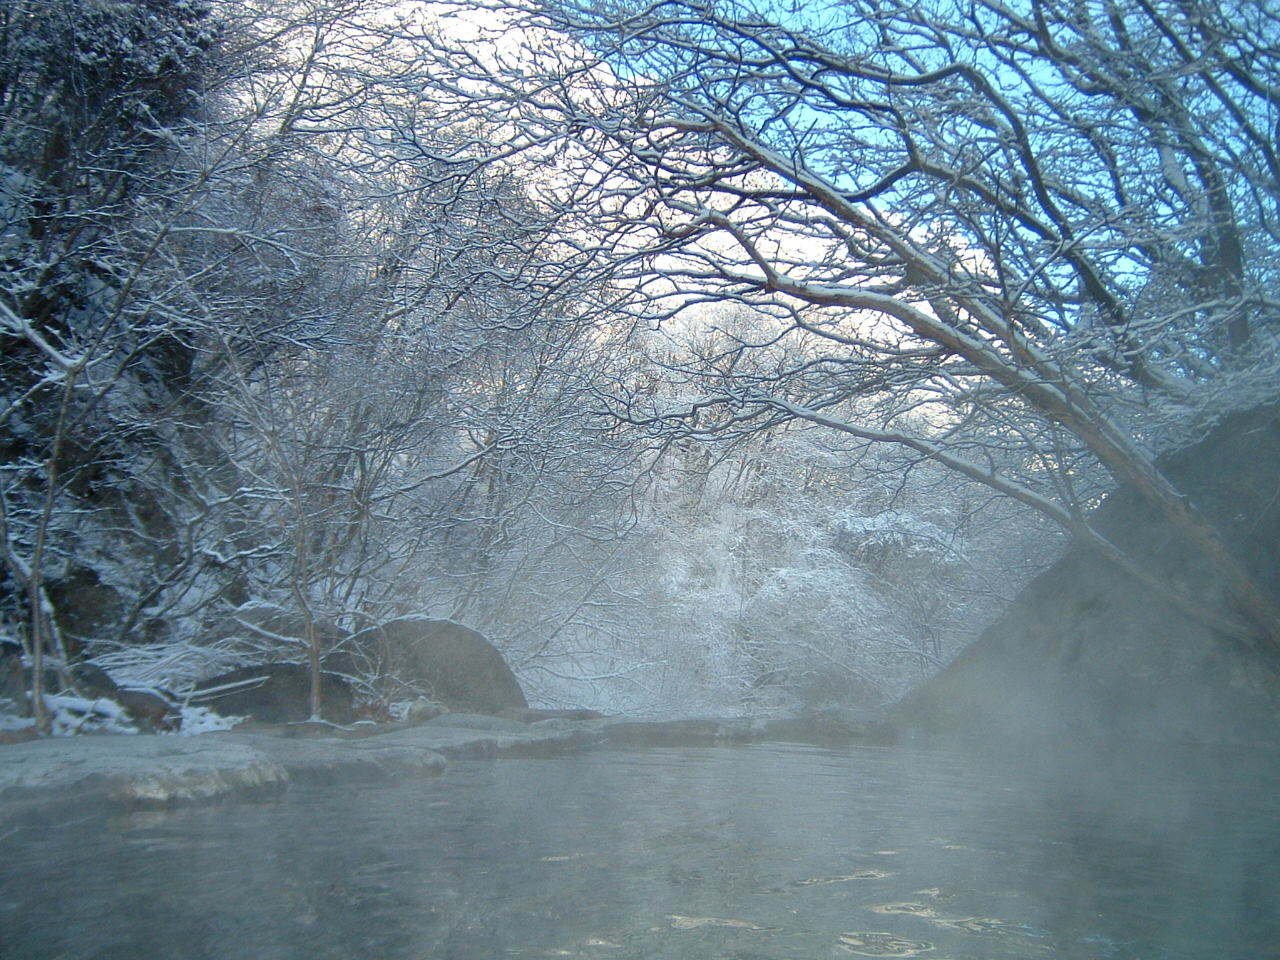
(756, 853)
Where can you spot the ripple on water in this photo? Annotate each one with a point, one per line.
(869, 944)
(977, 925)
(847, 878)
(908, 909)
(679, 922)
(974, 925)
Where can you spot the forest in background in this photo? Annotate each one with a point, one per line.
(705, 358)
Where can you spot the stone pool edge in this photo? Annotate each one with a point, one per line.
(52, 776)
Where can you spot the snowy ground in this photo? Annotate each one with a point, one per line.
(71, 715)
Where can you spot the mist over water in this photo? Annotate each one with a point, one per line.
(770, 851)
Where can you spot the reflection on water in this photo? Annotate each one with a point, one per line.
(766, 852)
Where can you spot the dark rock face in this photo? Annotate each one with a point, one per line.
(85, 606)
(277, 693)
(445, 661)
(13, 686)
(1087, 649)
(94, 682)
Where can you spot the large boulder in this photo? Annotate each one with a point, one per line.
(276, 693)
(445, 661)
(1088, 649)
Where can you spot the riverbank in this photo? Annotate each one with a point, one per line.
(48, 777)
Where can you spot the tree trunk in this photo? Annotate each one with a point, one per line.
(310, 636)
